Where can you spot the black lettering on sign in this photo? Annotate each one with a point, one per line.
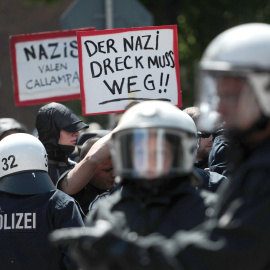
(161, 82)
(115, 86)
(42, 52)
(107, 65)
(110, 66)
(149, 84)
(138, 61)
(129, 83)
(161, 61)
(67, 79)
(73, 44)
(54, 54)
(52, 67)
(119, 87)
(51, 51)
(146, 42)
(103, 47)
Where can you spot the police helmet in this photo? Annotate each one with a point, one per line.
(24, 165)
(241, 52)
(153, 140)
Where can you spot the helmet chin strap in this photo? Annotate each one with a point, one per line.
(241, 136)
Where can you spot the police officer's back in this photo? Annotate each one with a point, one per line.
(31, 207)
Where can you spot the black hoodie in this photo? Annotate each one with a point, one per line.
(51, 119)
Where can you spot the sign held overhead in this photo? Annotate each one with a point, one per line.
(119, 66)
(45, 67)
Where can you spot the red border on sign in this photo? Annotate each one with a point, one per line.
(81, 34)
(36, 37)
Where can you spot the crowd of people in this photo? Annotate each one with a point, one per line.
(166, 188)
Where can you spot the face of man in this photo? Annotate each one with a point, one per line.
(205, 148)
(153, 157)
(237, 103)
(68, 138)
(104, 177)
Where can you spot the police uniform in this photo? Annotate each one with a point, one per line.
(237, 233)
(26, 221)
(153, 150)
(176, 206)
(31, 207)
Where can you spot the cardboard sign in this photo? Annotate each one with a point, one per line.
(119, 66)
(45, 67)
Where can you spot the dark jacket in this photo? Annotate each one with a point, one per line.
(51, 119)
(179, 206)
(26, 221)
(237, 234)
(218, 156)
(210, 180)
(88, 196)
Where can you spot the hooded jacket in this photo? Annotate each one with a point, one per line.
(51, 119)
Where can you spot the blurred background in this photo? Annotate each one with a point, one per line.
(198, 21)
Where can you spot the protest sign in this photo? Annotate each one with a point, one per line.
(45, 67)
(118, 66)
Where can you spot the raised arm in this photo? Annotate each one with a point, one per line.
(82, 173)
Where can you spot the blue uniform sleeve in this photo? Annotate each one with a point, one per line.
(66, 213)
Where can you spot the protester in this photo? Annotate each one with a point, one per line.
(78, 177)
(205, 139)
(31, 207)
(92, 130)
(10, 126)
(209, 154)
(234, 74)
(58, 128)
(83, 137)
(99, 186)
(218, 156)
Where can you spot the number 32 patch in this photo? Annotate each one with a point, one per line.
(9, 163)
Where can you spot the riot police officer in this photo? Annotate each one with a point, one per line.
(31, 207)
(58, 128)
(153, 151)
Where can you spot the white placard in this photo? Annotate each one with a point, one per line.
(45, 67)
(119, 66)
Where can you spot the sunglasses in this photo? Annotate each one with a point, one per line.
(204, 135)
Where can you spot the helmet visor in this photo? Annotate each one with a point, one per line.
(226, 97)
(27, 183)
(151, 153)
